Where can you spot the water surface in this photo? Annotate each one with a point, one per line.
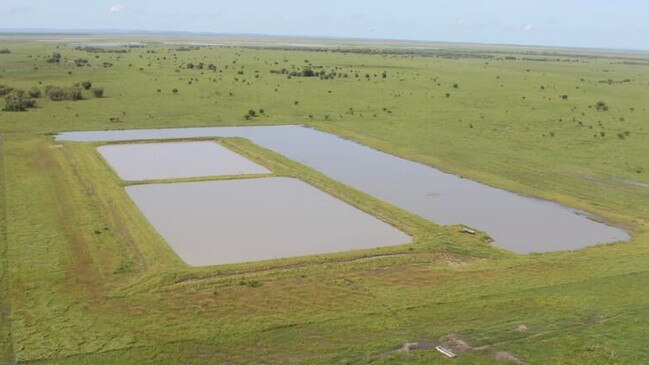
(169, 160)
(517, 223)
(233, 221)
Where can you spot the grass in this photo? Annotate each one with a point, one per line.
(86, 280)
(6, 349)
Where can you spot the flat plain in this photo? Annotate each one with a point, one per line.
(86, 280)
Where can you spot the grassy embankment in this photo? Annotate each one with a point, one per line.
(91, 282)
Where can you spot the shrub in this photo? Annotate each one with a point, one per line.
(80, 62)
(252, 113)
(601, 106)
(174, 90)
(55, 58)
(16, 101)
(4, 90)
(5, 51)
(34, 92)
(308, 72)
(124, 268)
(86, 84)
(57, 93)
(98, 92)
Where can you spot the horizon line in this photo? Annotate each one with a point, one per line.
(142, 32)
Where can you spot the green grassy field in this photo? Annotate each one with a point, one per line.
(86, 280)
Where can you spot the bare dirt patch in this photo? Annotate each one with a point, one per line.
(411, 346)
(503, 356)
(458, 346)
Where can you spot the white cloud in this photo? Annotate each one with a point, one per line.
(528, 27)
(116, 8)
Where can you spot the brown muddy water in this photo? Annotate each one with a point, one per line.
(517, 223)
(233, 221)
(151, 161)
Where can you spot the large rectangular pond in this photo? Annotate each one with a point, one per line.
(150, 161)
(517, 223)
(232, 221)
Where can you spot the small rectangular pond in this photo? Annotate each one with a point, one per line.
(172, 160)
(233, 221)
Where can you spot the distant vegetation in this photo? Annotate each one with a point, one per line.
(91, 283)
(54, 58)
(187, 48)
(21, 100)
(102, 50)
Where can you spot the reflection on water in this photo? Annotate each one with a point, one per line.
(232, 221)
(517, 223)
(150, 161)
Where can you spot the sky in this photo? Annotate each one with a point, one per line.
(617, 24)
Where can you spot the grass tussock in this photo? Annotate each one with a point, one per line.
(86, 280)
